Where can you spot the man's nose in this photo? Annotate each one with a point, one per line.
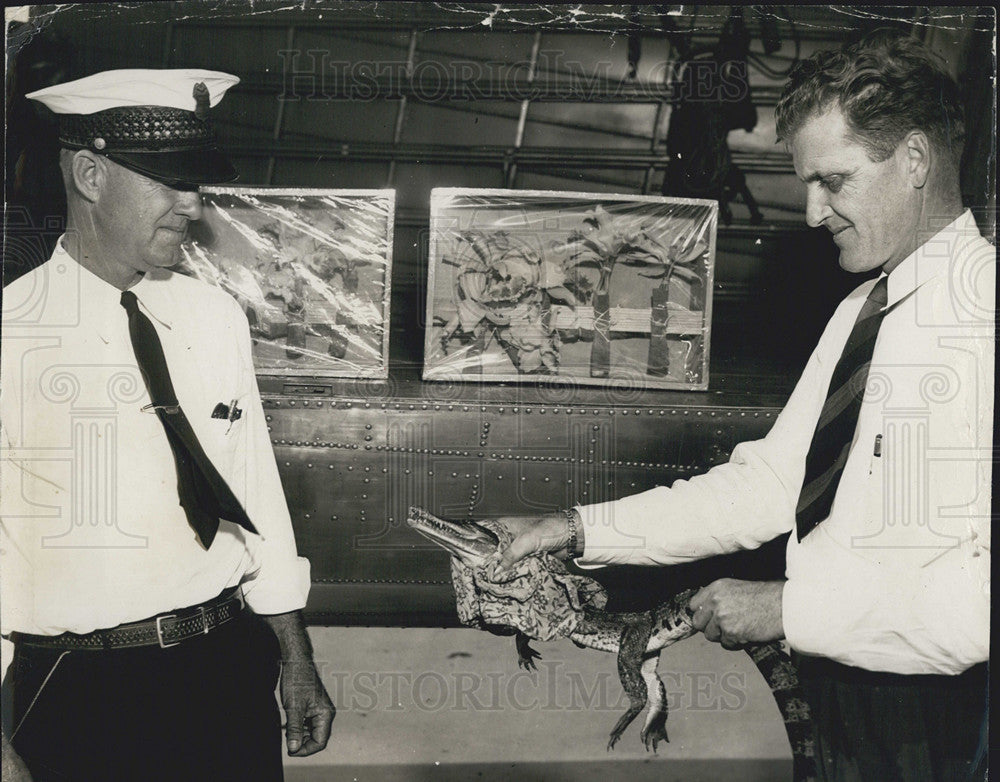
(817, 206)
(188, 203)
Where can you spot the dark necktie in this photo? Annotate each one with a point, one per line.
(203, 493)
(835, 429)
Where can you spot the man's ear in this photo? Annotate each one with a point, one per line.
(89, 174)
(918, 157)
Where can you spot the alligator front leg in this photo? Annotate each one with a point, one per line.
(526, 656)
(631, 650)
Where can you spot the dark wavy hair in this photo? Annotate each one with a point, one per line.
(886, 85)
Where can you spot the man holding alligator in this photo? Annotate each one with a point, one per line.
(879, 465)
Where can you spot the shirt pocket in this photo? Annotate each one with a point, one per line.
(874, 506)
(224, 432)
(228, 416)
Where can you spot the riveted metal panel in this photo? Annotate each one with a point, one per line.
(352, 465)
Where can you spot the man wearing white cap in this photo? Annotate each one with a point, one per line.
(145, 534)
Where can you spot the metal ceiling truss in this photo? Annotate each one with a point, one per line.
(533, 79)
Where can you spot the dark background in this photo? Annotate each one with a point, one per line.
(420, 95)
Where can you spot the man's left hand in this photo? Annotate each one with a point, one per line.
(739, 612)
(309, 711)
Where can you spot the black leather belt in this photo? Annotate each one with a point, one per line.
(165, 630)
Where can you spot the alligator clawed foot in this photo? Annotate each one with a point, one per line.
(653, 735)
(526, 656)
(623, 722)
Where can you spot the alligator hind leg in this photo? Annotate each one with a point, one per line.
(655, 728)
(631, 650)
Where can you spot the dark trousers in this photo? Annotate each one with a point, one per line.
(202, 710)
(879, 726)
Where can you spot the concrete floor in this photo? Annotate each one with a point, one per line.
(451, 704)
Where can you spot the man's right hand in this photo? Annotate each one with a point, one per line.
(535, 535)
(13, 767)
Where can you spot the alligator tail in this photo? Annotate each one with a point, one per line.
(781, 676)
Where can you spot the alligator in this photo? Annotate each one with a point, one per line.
(542, 600)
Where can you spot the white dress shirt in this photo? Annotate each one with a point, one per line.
(92, 531)
(897, 577)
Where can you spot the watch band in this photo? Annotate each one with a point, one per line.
(574, 531)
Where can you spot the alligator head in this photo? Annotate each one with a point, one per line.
(468, 541)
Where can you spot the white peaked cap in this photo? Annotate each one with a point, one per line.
(173, 88)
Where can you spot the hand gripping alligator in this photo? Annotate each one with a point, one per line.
(541, 600)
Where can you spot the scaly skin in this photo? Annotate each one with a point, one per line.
(637, 638)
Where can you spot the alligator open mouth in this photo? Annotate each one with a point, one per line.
(467, 541)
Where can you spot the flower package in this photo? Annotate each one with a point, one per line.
(311, 269)
(579, 288)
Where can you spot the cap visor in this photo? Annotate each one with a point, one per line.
(193, 166)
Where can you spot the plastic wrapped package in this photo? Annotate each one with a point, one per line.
(311, 269)
(582, 288)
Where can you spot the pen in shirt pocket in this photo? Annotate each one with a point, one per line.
(228, 412)
(876, 453)
(234, 414)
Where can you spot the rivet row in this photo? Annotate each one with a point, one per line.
(517, 409)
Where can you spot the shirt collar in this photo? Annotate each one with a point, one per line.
(932, 258)
(93, 290)
(101, 295)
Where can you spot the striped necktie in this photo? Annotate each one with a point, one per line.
(834, 433)
(203, 493)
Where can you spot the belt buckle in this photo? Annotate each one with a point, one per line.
(159, 631)
(204, 620)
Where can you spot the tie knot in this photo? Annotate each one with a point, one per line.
(880, 293)
(129, 302)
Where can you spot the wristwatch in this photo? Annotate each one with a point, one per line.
(573, 522)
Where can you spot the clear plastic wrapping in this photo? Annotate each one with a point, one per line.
(311, 269)
(579, 288)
